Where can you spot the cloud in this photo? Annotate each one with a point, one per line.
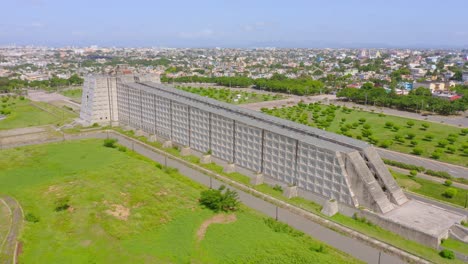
(37, 24)
(205, 33)
(254, 27)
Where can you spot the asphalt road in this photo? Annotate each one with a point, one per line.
(346, 244)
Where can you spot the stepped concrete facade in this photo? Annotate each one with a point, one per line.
(316, 163)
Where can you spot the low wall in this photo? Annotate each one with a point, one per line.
(404, 231)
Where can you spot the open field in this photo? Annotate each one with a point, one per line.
(437, 141)
(89, 203)
(74, 94)
(24, 113)
(231, 96)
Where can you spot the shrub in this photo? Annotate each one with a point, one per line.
(464, 131)
(362, 120)
(396, 128)
(442, 143)
(221, 199)
(414, 143)
(386, 143)
(389, 124)
(95, 125)
(417, 151)
(428, 137)
(410, 123)
(404, 165)
(410, 135)
(21, 98)
(122, 148)
(366, 133)
(110, 143)
(62, 204)
(448, 254)
(413, 173)
(278, 188)
(279, 227)
(31, 218)
(451, 149)
(366, 126)
(450, 192)
(440, 174)
(436, 154)
(448, 183)
(425, 126)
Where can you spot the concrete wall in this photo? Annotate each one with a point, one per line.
(289, 160)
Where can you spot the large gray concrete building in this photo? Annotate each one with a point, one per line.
(323, 164)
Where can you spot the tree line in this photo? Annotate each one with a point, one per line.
(277, 83)
(418, 100)
(8, 85)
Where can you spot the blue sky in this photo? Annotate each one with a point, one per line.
(239, 23)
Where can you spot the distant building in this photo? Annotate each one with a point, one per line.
(433, 86)
(406, 85)
(447, 96)
(465, 76)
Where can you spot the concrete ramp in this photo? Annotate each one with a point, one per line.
(459, 232)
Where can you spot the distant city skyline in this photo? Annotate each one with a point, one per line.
(239, 24)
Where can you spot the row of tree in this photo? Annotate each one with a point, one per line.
(277, 83)
(418, 100)
(8, 85)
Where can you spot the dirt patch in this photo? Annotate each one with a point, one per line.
(119, 211)
(217, 219)
(85, 243)
(409, 184)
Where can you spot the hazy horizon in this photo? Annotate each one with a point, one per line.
(243, 24)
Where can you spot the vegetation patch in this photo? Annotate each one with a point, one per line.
(163, 220)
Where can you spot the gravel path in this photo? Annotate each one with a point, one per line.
(8, 253)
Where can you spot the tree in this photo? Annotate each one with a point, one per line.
(221, 199)
(450, 192)
(75, 80)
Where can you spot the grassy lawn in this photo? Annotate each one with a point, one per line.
(231, 96)
(370, 230)
(430, 188)
(438, 141)
(24, 114)
(74, 94)
(124, 208)
(455, 245)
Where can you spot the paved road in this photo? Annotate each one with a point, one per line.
(454, 170)
(346, 244)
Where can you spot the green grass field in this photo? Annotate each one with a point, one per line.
(438, 141)
(455, 245)
(74, 94)
(430, 189)
(124, 209)
(231, 96)
(25, 114)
